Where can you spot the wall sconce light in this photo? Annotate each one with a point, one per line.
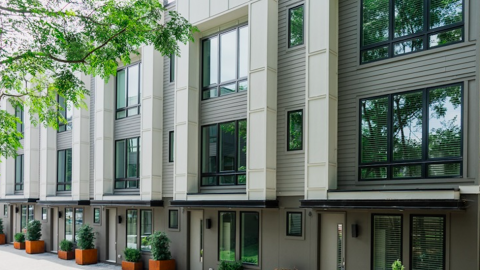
(119, 219)
(354, 230)
(16, 209)
(59, 214)
(208, 223)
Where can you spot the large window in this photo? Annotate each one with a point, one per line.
(19, 115)
(73, 222)
(416, 134)
(67, 113)
(227, 236)
(386, 240)
(427, 240)
(225, 63)
(396, 27)
(19, 173)
(224, 152)
(127, 163)
(146, 229)
(295, 130)
(27, 215)
(295, 26)
(128, 91)
(64, 170)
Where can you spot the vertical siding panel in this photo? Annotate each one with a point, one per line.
(92, 136)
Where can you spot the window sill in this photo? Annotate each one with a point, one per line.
(429, 181)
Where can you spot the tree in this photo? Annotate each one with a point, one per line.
(45, 45)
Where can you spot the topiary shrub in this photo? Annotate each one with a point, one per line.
(34, 230)
(19, 237)
(1, 226)
(132, 255)
(224, 265)
(66, 245)
(397, 265)
(85, 237)
(160, 246)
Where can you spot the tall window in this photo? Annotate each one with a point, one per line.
(127, 163)
(19, 173)
(171, 146)
(295, 26)
(5, 210)
(172, 67)
(392, 28)
(132, 235)
(27, 215)
(73, 222)
(146, 228)
(225, 63)
(227, 236)
(67, 113)
(69, 224)
(427, 241)
(250, 237)
(64, 170)
(295, 130)
(416, 134)
(386, 240)
(224, 152)
(78, 221)
(19, 115)
(144, 223)
(128, 91)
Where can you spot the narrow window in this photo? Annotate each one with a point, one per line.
(128, 91)
(132, 229)
(64, 170)
(295, 26)
(31, 213)
(294, 223)
(250, 237)
(5, 210)
(172, 67)
(67, 113)
(173, 219)
(227, 236)
(127, 162)
(386, 240)
(78, 221)
(96, 215)
(171, 146)
(146, 229)
(19, 173)
(427, 242)
(69, 224)
(24, 218)
(19, 115)
(295, 130)
(44, 213)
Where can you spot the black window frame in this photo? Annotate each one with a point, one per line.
(288, 130)
(138, 228)
(241, 237)
(5, 210)
(444, 237)
(62, 127)
(19, 113)
(289, 25)
(128, 107)
(171, 146)
(22, 177)
(44, 213)
(425, 34)
(172, 67)
(219, 84)
(170, 226)
(372, 235)
(424, 161)
(219, 173)
(75, 226)
(287, 227)
(126, 179)
(95, 210)
(65, 183)
(218, 238)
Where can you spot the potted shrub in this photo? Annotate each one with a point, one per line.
(19, 242)
(66, 250)
(162, 259)
(132, 259)
(33, 244)
(2, 235)
(85, 253)
(224, 265)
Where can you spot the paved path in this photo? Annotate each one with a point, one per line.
(12, 259)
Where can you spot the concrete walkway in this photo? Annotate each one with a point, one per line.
(11, 259)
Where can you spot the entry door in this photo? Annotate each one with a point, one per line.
(112, 235)
(332, 241)
(196, 240)
(54, 233)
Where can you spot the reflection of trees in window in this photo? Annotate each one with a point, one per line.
(386, 240)
(393, 144)
(295, 26)
(295, 130)
(127, 163)
(132, 229)
(64, 170)
(428, 242)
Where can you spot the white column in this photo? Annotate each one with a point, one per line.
(321, 98)
(7, 171)
(81, 147)
(152, 125)
(31, 158)
(262, 101)
(104, 144)
(48, 162)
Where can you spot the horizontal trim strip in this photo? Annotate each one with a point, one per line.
(81, 202)
(155, 203)
(228, 203)
(22, 200)
(385, 204)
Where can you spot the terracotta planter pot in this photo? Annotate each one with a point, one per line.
(161, 265)
(132, 265)
(66, 255)
(2, 239)
(86, 256)
(19, 245)
(35, 247)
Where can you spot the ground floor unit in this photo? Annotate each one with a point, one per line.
(290, 234)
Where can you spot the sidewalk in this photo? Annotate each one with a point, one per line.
(11, 259)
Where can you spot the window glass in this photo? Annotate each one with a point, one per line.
(132, 229)
(445, 12)
(227, 229)
(375, 21)
(146, 229)
(242, 145)
(132, 158)
(408, 46)
(295, 26)
(19, 115)
(209, 149)
(172, 67)
(210, 61)
(120, 159)
(408, 17)
(64, 170)
(294, 224)
(66, 111)
(121, 89)
(44, 213)
(374, 130)
(173, 219)
(69, 224)
(68, 167)
(24, 218)
(228, 89)
(428, 242)
(31, 213)
(295, 130)
(133, 88)
(96, 215)
(243, 53)
(228, 56)
(386, 241)
(5, 210)
(250, 237)
(227, 146)
(128, 91)
(61, 167)
(446, 37)
(78, 221)
(242, 86)
(171, 146)
(19, 173)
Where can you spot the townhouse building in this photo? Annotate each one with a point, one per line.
(316, 134)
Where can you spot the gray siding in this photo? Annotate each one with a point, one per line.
(291, 96)
(64, 140)
(128, 127)
(223, 109)
(450, 64)
(92, 136)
